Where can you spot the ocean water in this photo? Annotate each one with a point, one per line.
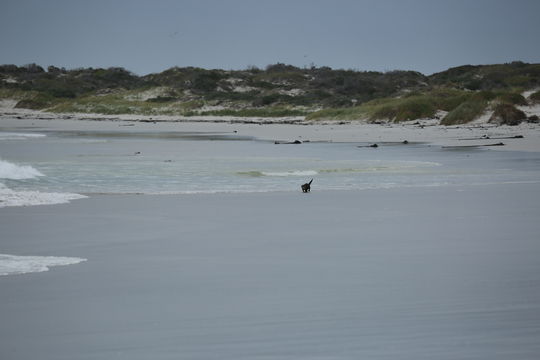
(434, 256)
(55, 167)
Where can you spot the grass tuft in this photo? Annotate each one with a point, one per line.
(512, 98)
(253, 112)
(410, 107)
(507, 114)
(535, 97)
(466, 111)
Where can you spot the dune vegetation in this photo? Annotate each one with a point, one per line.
(457, 95)
(535, 97)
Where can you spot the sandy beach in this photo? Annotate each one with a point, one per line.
(426, 253)
(479, 132)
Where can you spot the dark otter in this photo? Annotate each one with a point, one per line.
(307, 186)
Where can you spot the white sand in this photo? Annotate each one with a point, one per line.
(288, 128)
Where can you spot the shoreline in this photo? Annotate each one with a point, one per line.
(480, 133)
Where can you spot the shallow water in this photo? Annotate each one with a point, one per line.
(431, 254)
(176, 163)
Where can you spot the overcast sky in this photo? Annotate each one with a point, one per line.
(147, 36)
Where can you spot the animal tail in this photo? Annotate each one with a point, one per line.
(310, 182)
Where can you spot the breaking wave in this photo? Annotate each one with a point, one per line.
(9, 197)
(17, 172)
(12, 265)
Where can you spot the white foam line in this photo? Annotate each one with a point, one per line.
(12, 265)
(10, 197)
(20, 136)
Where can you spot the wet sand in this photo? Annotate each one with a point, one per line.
(436, 273)
(477, 133)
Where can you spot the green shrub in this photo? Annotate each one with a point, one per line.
(484, 95)
(34, 104)
(518, 81)
(247, 96)
(255, 112)
(191, 105)
(465, 112)
(285, 77)
(535, 97)
(396, 95)
(353, 113)
(410, 108)
(448, 99)
(205, 81)
(507, 114)
(512, 98)
(37, 101)
(271, 99)
(162, 99)
(13, 93)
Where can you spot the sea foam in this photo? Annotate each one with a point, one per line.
(11, 264)
(17, 172)
(20, 136)
(10, 197)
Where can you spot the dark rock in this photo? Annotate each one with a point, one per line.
(497, 144)
(288, 142)
(368, 146)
